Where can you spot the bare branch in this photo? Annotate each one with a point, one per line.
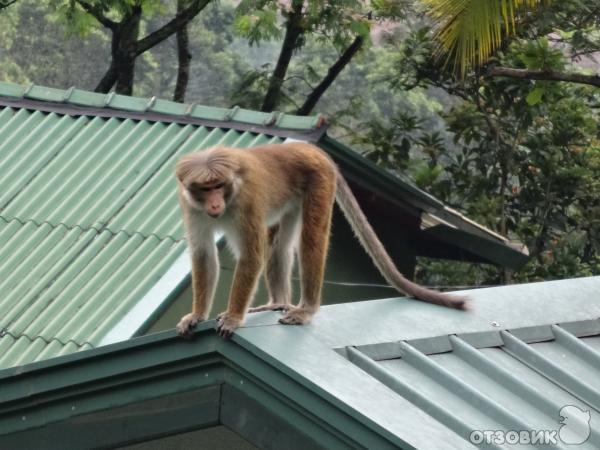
(180, 20)
(548, 75)
(332, 74)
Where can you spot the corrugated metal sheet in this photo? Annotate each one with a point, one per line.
(89, 220)
(521, 357)
(513, 387)
(415, 375)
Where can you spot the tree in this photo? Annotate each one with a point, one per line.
(37, 50)
(525, 155)
(345, 24)
(122, 19)
(183, 56)
(219, 59)
(469, 32)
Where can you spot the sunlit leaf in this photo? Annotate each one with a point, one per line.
(535, 96)
(469, 31)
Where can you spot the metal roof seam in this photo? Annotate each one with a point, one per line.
(7, 332)
(550, 369)
(91, 228)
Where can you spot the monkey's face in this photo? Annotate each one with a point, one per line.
(211, 197)
(209, 180)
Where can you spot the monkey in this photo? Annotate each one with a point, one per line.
(271, 202)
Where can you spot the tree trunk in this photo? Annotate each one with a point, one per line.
(332, 74)
(184, 57)
(108, 80)
(290, 42)
(124, 58)
(125, 47)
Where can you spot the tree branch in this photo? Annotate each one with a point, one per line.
(183, 58)
(180, 20)
(549, 75)
(95, 11)
(6, 3)
(293, 30)
(332, 74)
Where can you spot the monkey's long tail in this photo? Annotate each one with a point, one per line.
(369, 240)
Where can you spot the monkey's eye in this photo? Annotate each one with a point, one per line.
(212, 188)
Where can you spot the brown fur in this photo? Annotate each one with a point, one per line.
(291, 188)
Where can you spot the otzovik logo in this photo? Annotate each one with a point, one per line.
(575, 425)
(574, 430)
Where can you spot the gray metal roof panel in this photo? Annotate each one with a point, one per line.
(414, 394)
(430, 375)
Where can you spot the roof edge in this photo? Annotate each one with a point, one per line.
(34, 391)
(393, 187)
(74, 101)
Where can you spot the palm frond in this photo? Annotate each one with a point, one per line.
(470, 31)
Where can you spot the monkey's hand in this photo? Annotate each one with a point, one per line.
(227, 323)
(186, 325)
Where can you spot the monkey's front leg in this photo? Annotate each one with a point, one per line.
(245, 280)
(205, 273)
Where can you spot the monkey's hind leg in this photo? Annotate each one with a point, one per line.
(314, 242)
(280, 262)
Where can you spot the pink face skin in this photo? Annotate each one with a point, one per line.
(214, 201)
(211, 197)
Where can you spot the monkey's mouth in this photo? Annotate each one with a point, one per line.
(215, 215)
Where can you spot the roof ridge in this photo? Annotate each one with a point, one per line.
(84, 229)
(117, 102)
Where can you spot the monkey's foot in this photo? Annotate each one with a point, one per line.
(186, 325)
(271, 307)
(227, 324)
(297, 316)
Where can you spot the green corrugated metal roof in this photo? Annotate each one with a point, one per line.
(89, 219)
(415, 376)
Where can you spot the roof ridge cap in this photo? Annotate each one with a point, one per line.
(111, 101)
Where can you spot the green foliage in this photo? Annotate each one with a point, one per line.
(523, 161)
(257, 22)
(338, 21)
(470, 31)
(37, 49)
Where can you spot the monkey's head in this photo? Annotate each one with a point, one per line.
(209, 179)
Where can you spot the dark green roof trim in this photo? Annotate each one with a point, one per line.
(357, 167)
(79, 102)
(491, 250)
(159, 365)
(390, 385)
(395, 189)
